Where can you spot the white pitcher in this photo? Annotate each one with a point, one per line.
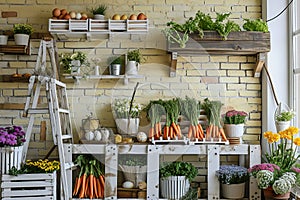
(132, 68)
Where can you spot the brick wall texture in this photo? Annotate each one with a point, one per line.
(226, 78)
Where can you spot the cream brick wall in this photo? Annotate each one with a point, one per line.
(225, 78)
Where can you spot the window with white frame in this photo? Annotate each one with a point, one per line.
(295, 61)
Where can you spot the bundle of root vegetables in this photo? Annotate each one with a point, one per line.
(90, 182)
(190, 109)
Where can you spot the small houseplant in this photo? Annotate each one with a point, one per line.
(22, 33)
(126, 117)
(115, 63)
(99, 11)
(233, 179)
(71, 62)
(12, 139)
(280, 172)
(234, 122)
(134, 58)
(283, 116)
(179, 174)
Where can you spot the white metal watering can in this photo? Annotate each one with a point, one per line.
(132, 68)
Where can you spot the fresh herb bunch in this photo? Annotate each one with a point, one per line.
(12, 136)
(178, 168)
(256, 25)
(232, 174)
(114, 60)
(23, 29)
(234, 117)
(224, 26)
(100, 10)
(135, 55)
(285, 116)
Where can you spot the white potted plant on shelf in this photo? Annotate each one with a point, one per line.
(22, 33)
(72, 62)
(234, 122)
(283, 116)
(175, 179)
(115, 64)
(134, 58)
(233, 179)
(126, 116)
(99, 11)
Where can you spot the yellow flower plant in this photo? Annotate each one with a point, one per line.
(283, 148)
(42, 166)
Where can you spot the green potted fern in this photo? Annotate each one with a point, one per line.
(22, 33)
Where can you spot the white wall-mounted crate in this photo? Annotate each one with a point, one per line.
(137, 25)
(39, 186)
(117, 25)
(63, 25)
(9, 157)
(98, 25)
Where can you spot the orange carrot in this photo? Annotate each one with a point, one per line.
(208, 131)
(166, 132)
(194, 131)
(179, 132)
(159, 128)
(86, 190)
(175, 128)
(76, 186)
(83, 186)
(99, 188)
(222, 133)
(95, 187)
(151, 132)
(171, 132)
(201, 130)
(102, 180)
(91, 186)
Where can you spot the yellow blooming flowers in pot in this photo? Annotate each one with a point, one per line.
(39, 166)
(280, 172)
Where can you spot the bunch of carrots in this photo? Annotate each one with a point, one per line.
(172, 128)
(214, 129)
(90, 182)
(154, 112)
(190, 109)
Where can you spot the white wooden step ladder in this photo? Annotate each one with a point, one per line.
(57, 107)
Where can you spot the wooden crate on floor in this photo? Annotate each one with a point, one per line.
(132, 193)
(39, 186)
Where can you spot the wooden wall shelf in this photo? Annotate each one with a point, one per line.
(237, 43)
(15, 49)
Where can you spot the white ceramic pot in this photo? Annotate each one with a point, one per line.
(174, 187)
(99, 17)
(126, 126)
(3, 39)
(132, 68)
(282, 125)
(233, 191)
(234, 130)
(21, 39)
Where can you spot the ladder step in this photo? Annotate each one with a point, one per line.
(61, 84)
(38, 111)
(70, 165)
(63, 111)
(65, 137)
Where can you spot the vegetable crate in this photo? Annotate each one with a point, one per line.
(39, 186)
(98, 25)
(68, 25)
(9, 157)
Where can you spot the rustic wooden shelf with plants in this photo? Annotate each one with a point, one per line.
(203, 35)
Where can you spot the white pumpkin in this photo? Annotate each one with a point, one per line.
(89, 135)
(141, 137)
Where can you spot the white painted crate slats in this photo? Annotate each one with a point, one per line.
(79, 25)
(58, 25)
(9, 157)
(98, 25)
(137, 25)
(29, 186)
(117, 25)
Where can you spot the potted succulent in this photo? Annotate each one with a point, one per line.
(134, 58)
(22, 33)
(71, 62)
(234, 122)
(233, 179)
(127, 120)
(134, 168)
(175, 179)
(99, 11)
(283, 116)
(115, 65)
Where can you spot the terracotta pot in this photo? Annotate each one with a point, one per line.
(269, 194)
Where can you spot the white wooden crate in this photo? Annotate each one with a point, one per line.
(71, 25)
(117, 25)
(78, 25)
(39, 186)
(137, 25)
(9, 157)
(59, 25)
(98, 25)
